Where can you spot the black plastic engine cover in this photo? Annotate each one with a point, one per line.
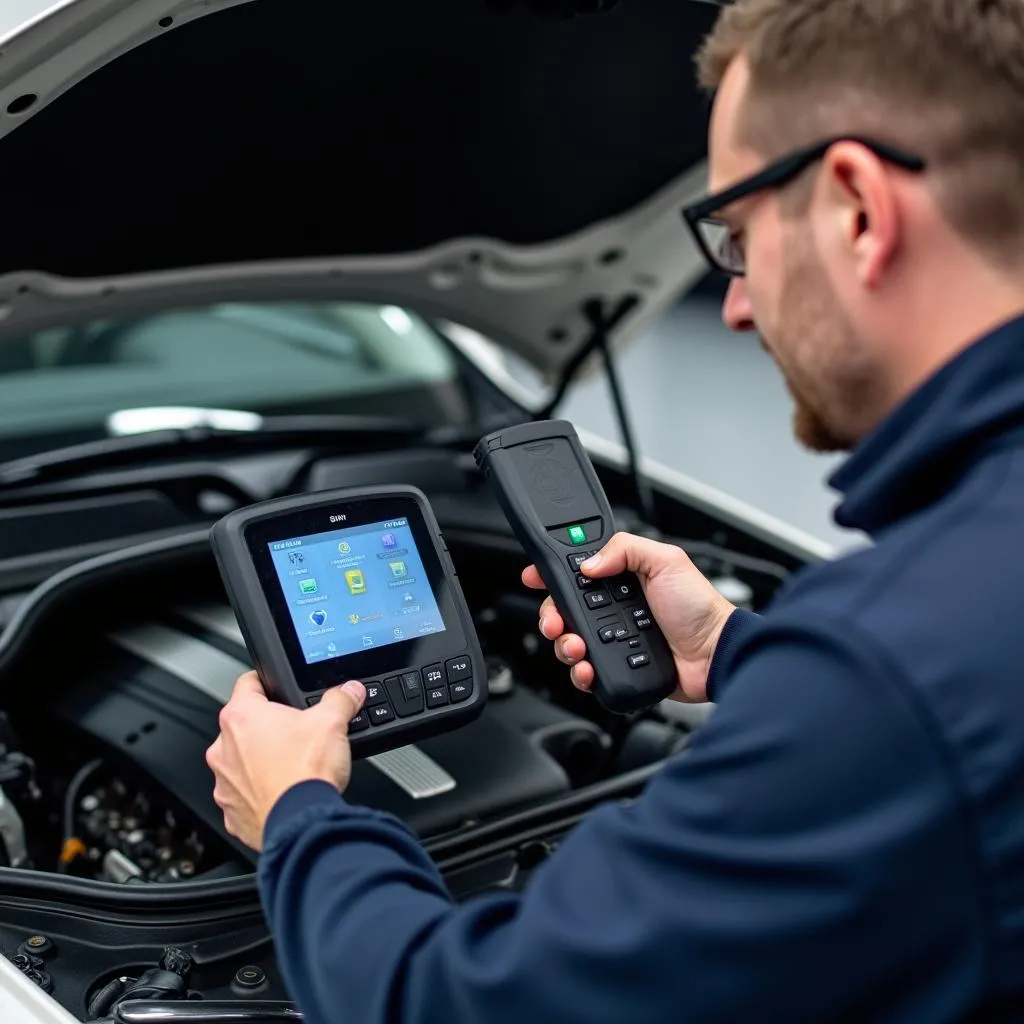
(149, 715)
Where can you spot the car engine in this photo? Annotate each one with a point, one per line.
(108, 780)
(121, 889)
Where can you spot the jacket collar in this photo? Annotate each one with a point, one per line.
(913, 457)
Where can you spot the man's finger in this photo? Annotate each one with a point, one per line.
(626, 552)
(531, 577)
(570, 649)
(551, 623)
(582, 676)
(344, 701)
(249, 687)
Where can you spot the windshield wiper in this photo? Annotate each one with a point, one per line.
(359, 433)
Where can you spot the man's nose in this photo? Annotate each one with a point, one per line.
(736, 310)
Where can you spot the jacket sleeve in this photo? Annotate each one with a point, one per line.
(806, 857)
(739, 628)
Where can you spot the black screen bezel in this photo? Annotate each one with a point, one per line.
(415, 652)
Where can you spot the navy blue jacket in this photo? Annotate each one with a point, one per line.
(844, 840)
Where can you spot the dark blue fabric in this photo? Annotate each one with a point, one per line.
(844, 841)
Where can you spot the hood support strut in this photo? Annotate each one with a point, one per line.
(602, 324)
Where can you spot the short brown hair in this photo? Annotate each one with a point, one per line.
(942, 78)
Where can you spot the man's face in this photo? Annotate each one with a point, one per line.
(788, 295)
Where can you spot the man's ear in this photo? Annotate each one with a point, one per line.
(862, 199)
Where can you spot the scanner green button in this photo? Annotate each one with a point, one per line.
(577, 535)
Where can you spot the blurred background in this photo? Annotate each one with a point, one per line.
(713, 405)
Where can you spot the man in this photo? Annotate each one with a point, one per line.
(845, 839)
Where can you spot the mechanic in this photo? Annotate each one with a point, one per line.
(845, 838)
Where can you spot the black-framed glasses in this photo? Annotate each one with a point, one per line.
(715, 237)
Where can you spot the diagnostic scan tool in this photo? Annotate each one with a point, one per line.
(552, 498)
(355, 584)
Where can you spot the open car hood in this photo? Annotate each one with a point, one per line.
(487, 161)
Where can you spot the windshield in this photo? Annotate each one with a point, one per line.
(61, 386)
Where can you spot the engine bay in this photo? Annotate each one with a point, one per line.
(118, 881)
(108, 774)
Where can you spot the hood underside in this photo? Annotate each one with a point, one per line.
(489, 163)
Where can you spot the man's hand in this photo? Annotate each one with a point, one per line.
(265, 748)
(690, 612)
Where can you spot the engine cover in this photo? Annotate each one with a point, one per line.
(152, 699)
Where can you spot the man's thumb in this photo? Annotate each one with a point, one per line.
(346, 700)
(625, 552)
(611, 559)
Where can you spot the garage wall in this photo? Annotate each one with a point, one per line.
(713, 405)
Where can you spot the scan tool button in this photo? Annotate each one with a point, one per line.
(458, 669)
(434, 685)
(460, 691)
(436, 696)
(624, 588)
(407, 700)
(433, 675)
(577, 558)
(374, 694)
(380, 714)
(642, 618)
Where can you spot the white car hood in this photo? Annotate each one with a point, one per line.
(483, 161)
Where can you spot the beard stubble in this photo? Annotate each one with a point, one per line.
(834, 384)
